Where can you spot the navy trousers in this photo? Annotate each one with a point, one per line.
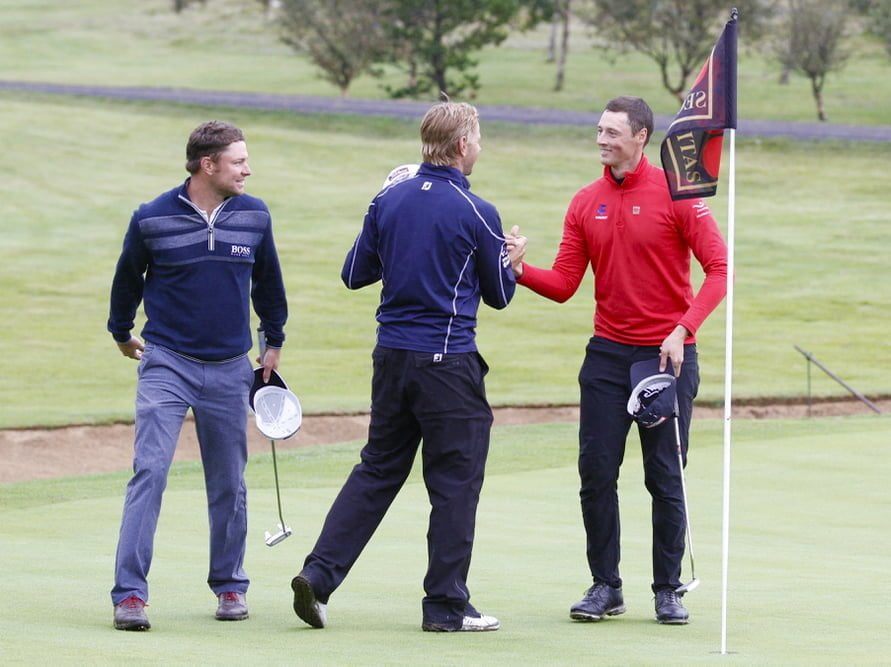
(605, 386)
(440, 400)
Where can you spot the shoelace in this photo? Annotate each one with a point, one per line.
(595, 590)
(230, 597)
(670, 597)
(133, 602)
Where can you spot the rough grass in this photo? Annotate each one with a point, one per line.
(229, 45)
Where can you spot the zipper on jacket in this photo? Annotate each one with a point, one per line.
(209, 219)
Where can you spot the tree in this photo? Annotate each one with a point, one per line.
(677, 34)
(344, 38)
(269, 7)
(179, 5)
(562, 17)
(434, 38)
(559, 13)
(880, 21)
(810, 42)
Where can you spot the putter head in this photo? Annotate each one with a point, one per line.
(283, 533)
(693, 584)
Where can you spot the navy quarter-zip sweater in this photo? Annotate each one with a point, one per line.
(438, 249)
(197, 279)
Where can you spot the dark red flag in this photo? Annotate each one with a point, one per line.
(691, 150)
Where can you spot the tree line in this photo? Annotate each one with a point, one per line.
(434, 42)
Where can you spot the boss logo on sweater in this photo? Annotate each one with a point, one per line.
(241, 251)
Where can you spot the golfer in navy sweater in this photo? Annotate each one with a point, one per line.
(196, 257)
(437, 249)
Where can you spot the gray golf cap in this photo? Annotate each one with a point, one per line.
(653, 394)
(275, 380)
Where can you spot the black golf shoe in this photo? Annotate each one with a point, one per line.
(600, 600)
(129, 614)
(310, 610)
(669, 609)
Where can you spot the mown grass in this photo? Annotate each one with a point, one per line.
(805, 500)
(810, 259)
(229, 45)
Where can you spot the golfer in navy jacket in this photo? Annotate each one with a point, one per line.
(196, 257)
(437, 249)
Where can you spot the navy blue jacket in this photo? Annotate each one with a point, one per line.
(197, 280)
(437, 248)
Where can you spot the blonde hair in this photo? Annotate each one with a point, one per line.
(442, 127)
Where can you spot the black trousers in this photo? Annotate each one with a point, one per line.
(440, 399)
(605, 386)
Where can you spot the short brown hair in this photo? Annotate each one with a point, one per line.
(442, 127)
(640, 115)
(209, 140)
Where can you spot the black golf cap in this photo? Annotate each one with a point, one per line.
(275, 380)
(653, 393)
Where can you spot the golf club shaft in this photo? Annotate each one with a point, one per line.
(677, 435)
(278, 497)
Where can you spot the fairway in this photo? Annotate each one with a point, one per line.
(810, 243)
(808, 553)
(801, 268)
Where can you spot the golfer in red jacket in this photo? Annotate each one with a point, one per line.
(638, 243)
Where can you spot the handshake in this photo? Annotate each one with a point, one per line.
(516, 249)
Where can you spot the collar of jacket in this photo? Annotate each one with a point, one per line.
(632, 178)
(183, 191)
(450, 173)
(182, 194)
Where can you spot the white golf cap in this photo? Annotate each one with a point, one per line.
(400, 173)
(275, 380)
(277, 412)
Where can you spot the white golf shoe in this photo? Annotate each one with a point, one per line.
(481, 623)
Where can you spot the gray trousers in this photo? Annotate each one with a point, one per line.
(168, 386)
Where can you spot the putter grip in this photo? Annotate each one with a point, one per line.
(261, 342)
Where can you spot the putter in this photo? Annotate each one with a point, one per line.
(267, 416)
(649, 381)
(283, 531)
(694, 582)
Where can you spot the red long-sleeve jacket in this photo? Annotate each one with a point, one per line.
(638, 243)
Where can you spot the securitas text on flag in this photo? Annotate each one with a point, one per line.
(691, 150)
